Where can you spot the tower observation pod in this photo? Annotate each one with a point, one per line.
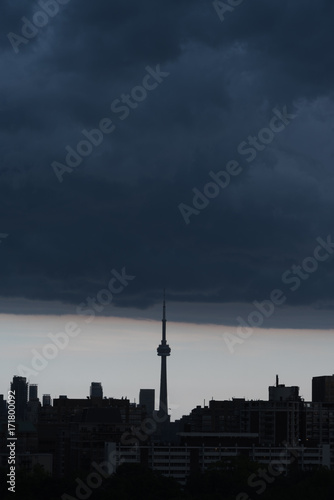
(163, 351)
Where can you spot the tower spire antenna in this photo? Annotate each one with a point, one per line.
(164, 320)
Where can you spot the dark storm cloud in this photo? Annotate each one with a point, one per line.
(119, 207)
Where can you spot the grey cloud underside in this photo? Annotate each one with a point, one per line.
(120, 205)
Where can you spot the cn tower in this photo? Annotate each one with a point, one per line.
(163, 351)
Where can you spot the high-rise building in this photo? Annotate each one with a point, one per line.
(3, 412)
(33, 392)
(163, 351)
(323, 389)
(146, 398)
(46, 400)
(20, 386)
(280, 392)
(33, 404)
(96, 390)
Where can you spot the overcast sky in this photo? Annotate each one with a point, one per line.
(168, 97)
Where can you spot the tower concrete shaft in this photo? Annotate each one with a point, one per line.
(163, 351)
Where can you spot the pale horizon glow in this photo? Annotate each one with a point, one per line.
(121, 354)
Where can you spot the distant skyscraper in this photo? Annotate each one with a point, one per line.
(96, 390)
(33, 388)
(46, 400)
(323, 389)
(20, 386)
(163, 351)
(33, 404)
(146, 398)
